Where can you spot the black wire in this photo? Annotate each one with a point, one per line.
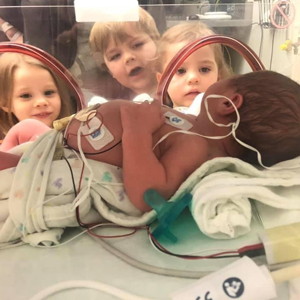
(261, 40)
(75, 193)
(254, 253)
(72, 176)
(191, 256)
(240, 253)
(113, 146)
(272, 48)
(261, 37)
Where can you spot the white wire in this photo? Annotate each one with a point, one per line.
(234, 126)
(27, 217)
(61, 244)
(85, 192)
(10, 245)
(65, 285)
(81, 233)
(108, 183)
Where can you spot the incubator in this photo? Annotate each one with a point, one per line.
(230, 223)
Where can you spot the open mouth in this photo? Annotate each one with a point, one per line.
(136, 71)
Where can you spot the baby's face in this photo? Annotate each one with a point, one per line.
(131, 62)
(194, 76)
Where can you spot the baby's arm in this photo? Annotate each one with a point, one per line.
(24, 131)
(8, 160)
(142, 170)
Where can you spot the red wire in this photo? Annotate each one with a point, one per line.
(190, 257)
(87, 121)
(111, 236)
(89, 226)
(250, 247)
(134, 230)
(77, 208)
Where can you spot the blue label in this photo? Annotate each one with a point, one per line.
(96, 133)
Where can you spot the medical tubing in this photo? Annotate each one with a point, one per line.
(148, 268)
(65, 285)
(246, 52)
(182, 273)
(278, 276)
(286, 274)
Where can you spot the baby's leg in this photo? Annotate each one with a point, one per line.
(25, 131)
(8, 160)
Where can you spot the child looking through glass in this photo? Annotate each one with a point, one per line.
(200, 70)
(30, 90)
(127, 50)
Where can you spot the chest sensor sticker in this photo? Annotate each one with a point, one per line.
(98, 138)
(177, 121)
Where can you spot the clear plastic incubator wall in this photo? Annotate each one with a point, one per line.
(232, 228)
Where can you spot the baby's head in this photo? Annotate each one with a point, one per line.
(30, 90)
(127, 50)
(201, 69)
(269, 109)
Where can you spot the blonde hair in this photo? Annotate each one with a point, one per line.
(9, 63)
(188, 32)
(102, 33)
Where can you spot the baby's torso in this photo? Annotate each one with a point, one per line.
(106, 145)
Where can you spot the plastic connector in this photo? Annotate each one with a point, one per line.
(282, 244)
(167, 212)
(287, 46)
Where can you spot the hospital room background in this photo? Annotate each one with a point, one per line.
(173, 258)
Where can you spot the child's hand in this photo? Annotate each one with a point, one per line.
(142, 118)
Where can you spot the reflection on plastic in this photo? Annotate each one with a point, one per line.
(106, 11)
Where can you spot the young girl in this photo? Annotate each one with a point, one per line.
(29, 92)
(127, 50)
(200, 70)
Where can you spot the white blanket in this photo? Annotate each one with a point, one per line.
(38, 195)
(220, 204)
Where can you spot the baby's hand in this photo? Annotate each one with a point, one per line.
(144, 118)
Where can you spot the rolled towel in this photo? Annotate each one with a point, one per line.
(218, 214)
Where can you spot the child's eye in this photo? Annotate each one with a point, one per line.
(138, 45)
(204, 70)
(181, 71)
(25, 96)
(50, 92)
(114, 57)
